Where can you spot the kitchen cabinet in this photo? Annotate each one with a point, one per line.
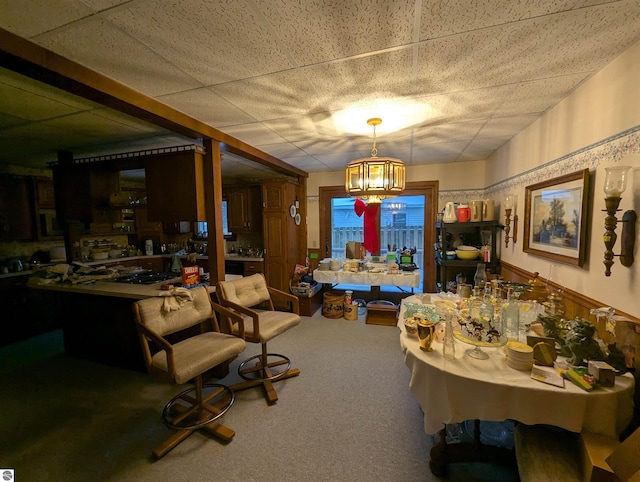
(244, 209)
(470, 234)
(16, 217)
(175, 186)
(45, 192)
(252, 267)
(82, 193)
(284, 240)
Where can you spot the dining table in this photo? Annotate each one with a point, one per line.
(464, 388)
(373, 279)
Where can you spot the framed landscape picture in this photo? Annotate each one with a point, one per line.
(555, 223)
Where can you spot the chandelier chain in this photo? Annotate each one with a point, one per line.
(374, 149)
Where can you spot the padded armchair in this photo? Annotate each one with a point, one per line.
(251, 297)
(181, 342)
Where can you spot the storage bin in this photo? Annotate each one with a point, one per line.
(333, 304)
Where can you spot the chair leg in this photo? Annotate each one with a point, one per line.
(206, 412)
(264, 374)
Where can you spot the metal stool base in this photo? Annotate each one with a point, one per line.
(210, 408)
(259, 367)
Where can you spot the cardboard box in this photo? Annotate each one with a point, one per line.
(625, 459)
(190, 275)
(604, 373)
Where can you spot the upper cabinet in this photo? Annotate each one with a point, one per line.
(244, 209)
(83, 190)
(176, 187)
(16, 219)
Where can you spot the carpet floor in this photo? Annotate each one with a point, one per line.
(349, 416)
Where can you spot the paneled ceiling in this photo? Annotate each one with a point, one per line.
(453, 80)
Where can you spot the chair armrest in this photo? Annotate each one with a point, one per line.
(295, 302)
(163, 345)
(229, 318)
(246, 311)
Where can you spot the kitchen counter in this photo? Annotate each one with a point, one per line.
(97, 318)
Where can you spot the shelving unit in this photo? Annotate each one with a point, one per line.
(470, 234)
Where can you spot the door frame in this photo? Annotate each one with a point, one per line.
(428, 189)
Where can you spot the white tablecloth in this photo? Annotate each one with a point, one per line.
(466, 388)
(405, 279)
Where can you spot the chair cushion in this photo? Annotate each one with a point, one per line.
(248, 291)
(190, 313)
(272, 323)
(200, 353)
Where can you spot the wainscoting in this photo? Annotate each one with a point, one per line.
(576, 304)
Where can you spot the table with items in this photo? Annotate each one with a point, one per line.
(462, 388)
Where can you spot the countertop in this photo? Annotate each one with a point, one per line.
(228, 257)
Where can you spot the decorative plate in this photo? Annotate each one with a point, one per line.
(292, 211)
(297, 219)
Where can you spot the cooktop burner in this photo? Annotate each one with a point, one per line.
(147, 277)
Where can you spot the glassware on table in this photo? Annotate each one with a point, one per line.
(555, 300)
(479, 329)
(448, 345)
(528, 312)
(510, 316)
(480, 277)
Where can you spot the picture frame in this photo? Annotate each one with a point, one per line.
(556, 216)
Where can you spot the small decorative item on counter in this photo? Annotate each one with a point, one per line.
(411, 327)
(536, 291)
(602, 372)
(348, 295)
(581, 342)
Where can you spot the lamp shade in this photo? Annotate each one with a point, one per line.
(375, 178)
(615, 181)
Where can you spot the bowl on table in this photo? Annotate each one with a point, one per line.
(467, 252)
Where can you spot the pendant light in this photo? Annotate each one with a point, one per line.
(375, 178)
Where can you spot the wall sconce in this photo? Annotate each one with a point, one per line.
(510, 201)
(615, 183)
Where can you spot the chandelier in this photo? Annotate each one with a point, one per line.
(375, 178)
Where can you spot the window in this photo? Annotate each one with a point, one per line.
(403, 221)
(202, 228)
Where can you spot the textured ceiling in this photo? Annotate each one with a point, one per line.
(453, 80)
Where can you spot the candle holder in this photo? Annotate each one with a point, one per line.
(510, 207)
(615, 184)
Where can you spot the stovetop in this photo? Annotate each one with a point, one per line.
(146, 277)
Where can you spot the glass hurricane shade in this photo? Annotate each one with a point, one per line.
(509, 201)
(375, 178)
(615, 181)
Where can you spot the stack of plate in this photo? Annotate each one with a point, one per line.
(519, 355)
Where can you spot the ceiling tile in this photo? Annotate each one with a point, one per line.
(208, 107)
(215, 41)
(29, 18)
(118, 56)
(324, 30)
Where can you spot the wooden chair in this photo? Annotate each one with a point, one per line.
(251, 297)
(183, 344)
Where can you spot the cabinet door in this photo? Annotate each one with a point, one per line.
(244, 209)
(254, 209)
(237, 210)
(175, 187)
(276, 245)
(46, 194)
(16, 220)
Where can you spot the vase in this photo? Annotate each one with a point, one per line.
(426, 333)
